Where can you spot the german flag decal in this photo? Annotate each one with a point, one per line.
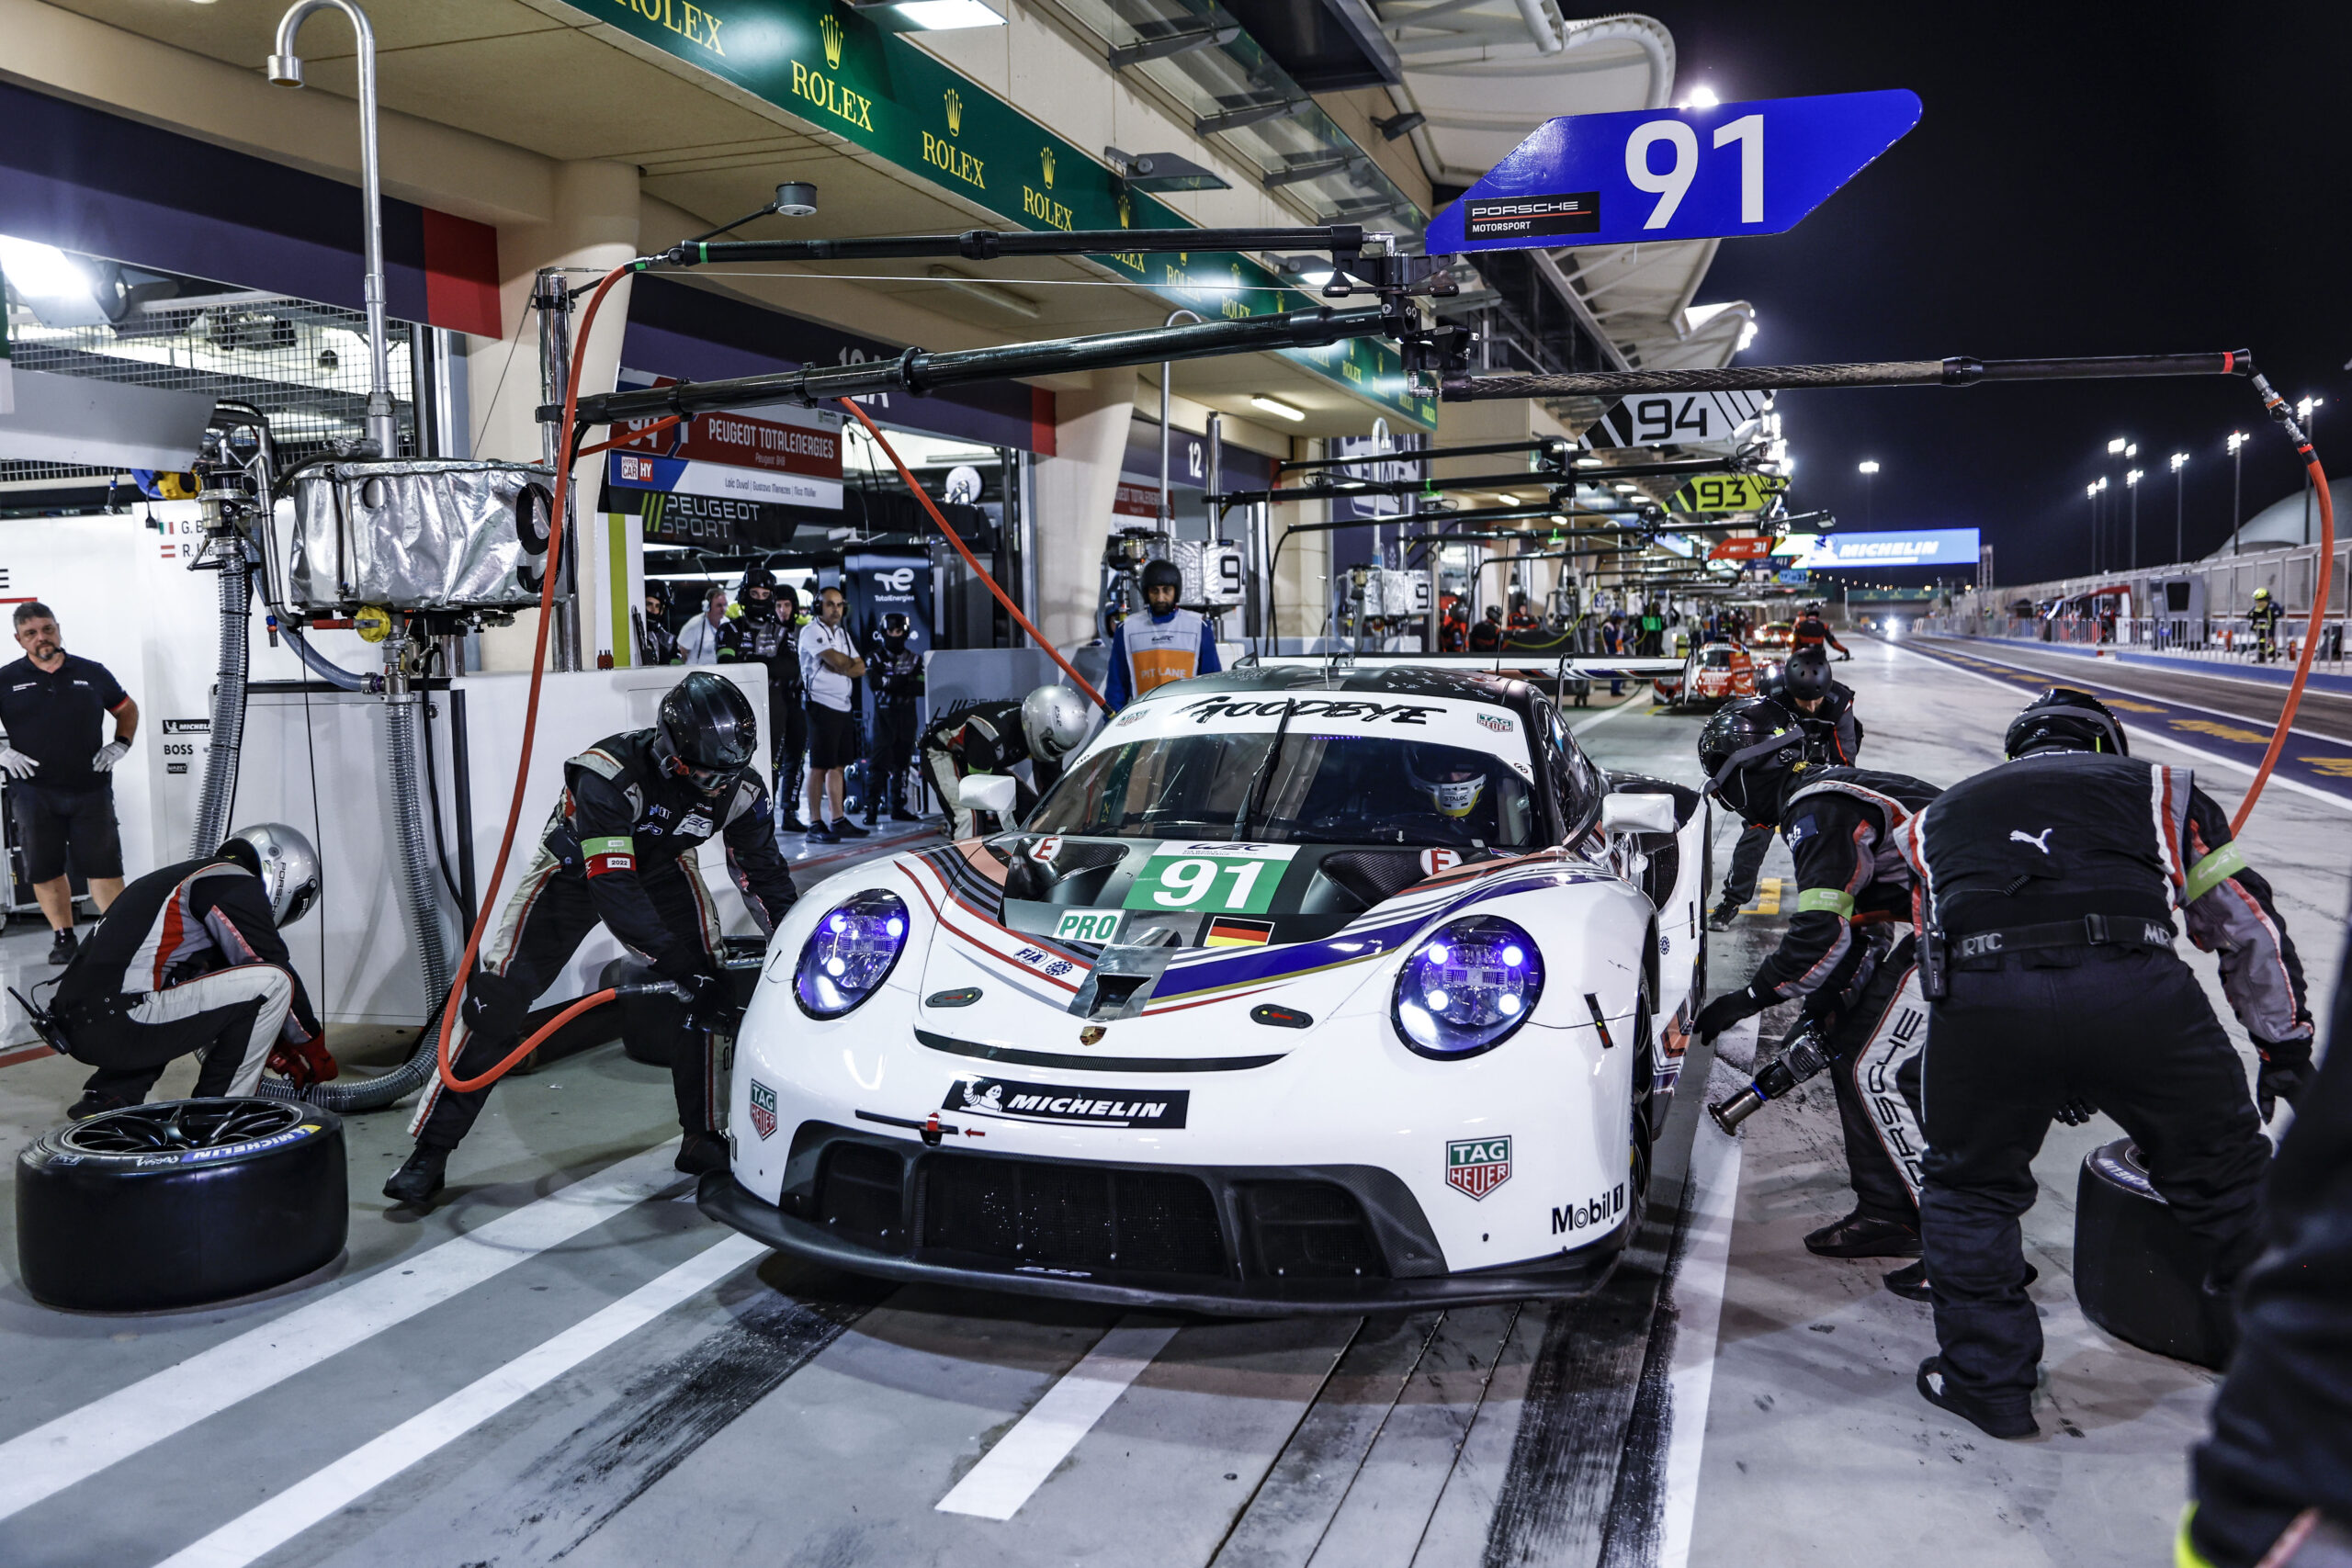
(1227, 930)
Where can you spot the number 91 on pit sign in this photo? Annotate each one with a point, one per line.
(1602, 179)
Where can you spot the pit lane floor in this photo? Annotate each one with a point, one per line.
(565, 1362)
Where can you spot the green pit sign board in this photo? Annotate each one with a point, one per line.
(1223, 879)
(823, 62)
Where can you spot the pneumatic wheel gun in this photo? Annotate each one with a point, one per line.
(1803, 1053)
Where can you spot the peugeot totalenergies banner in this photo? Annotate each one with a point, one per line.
(778, 456)
(1855, 552)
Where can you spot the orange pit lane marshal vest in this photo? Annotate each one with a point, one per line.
(1158, 652)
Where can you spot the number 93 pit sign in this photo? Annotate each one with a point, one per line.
(1691, 173)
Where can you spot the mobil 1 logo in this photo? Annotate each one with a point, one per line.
(1531, 217)
(1605, 1210)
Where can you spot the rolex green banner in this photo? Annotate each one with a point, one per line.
(831, 66)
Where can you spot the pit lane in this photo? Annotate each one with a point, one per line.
(566, 1360)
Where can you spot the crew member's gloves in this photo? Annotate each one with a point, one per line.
(15, 763)
(2285, 1068)
(710, 1003)
(110, 753)
(1725, 1010)
(303, 1064)
(2077, 1111)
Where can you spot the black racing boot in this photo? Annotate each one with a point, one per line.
(93, 1103)
(416, 1182)
(1936, 1387)
(792, 824)
(1911, 1284)
(1858, 1235)
(701, 1153)
(1720, 918)
(845, 828)
(61, 945)
(898, 813)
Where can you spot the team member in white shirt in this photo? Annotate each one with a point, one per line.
(698, 639)
(829, 662)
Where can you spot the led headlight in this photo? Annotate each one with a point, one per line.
(850, 953)
(1467, 988)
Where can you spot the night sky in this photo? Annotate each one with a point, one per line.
(2085, 179)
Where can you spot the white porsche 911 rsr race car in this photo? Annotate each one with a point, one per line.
(1304, 989)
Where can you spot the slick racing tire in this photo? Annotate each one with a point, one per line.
(2138, 1272)
(180, 1203)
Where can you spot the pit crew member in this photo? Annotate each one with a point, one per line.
(1825, 709)
(895, 668)
(1163, 645)
(1042, 729)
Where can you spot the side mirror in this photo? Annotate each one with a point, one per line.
(1628, 813)
(995, 793)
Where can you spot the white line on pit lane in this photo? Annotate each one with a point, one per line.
(1696, 1295)
(2152, 734)
(1010, 1472)
(261, 1530)
(1604, 716)
(80, 1443)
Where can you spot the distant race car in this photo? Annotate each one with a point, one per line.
(1769, 646)
(1305, 990)
(1720, 671)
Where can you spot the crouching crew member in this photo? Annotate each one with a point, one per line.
(1848, 953)
(2050, 882)
(989, 738)
(2274, 1481)
(1825, 710)
(896, 669)
(1166, 644)
(188, 959)
(620, 847)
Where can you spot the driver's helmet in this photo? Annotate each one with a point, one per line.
(1455, 779)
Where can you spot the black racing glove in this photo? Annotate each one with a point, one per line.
(710, 1003)
(2285, 1068)
(680, 965)
(2077, 1111)
(1725, 1010)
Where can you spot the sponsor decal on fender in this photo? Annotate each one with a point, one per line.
(1497, 723)
(1477, 1166)
(1055, 1103)
(1605, 1210)
(1228, 930)
(762, 1109)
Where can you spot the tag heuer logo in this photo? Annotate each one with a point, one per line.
(762, 1109)
(1477, 1166)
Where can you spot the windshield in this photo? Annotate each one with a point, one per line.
(1714, 658)
(1320, 789)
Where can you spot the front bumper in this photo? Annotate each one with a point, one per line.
(1257, 1266)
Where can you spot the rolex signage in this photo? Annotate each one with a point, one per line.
(823, 62)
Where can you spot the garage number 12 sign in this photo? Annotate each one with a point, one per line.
(1226, 879)
(1688, 173)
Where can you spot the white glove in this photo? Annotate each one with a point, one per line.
(15, 763)
(110, 753)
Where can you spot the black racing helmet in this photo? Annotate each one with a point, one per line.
(2063, 719)
(762, 581)
(1807, 674)
(1161, 574)
(707, 731)
(895, 626)
(1749, 748)
(658, 593)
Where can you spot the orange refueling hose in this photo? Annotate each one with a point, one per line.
(2311, 630)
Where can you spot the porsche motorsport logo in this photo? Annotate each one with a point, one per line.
(762, 1109)
(1477, 1166)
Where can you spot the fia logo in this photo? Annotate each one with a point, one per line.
(828, 28)
(1045, 155)
(954, 112)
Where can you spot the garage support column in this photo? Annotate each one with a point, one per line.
(1303, 587)
(595, 226)
(1076, 489)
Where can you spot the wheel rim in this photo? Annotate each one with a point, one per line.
(181, 1125)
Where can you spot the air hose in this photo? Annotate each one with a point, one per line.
(326, 669)
(2276, 406)
(213, 808)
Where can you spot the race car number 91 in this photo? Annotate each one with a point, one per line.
(1234, 879)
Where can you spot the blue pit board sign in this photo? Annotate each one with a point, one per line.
(1690, 173)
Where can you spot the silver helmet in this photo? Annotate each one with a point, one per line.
(288, 867)
(1057, 720)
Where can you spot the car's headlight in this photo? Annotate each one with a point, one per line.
(1467, 988)
(850, 953)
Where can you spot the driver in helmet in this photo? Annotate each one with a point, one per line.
(1848, 955)
(619, 848)
(1451, 778)
(188, 960)
(1165, 644)
(1042, 729)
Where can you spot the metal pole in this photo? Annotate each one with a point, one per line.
(2237, 496)
(1166, 374)
(2180, 539)
(552, 300)
(285, 71)
(2135, 525)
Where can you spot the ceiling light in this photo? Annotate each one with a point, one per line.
(1158, 170)
(1869, 465)
(42, 272)
(1276, 407)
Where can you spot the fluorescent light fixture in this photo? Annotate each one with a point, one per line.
(1623, 487)
(1589, 463)
(42, 272)
(947, 16)
(1276, 407)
